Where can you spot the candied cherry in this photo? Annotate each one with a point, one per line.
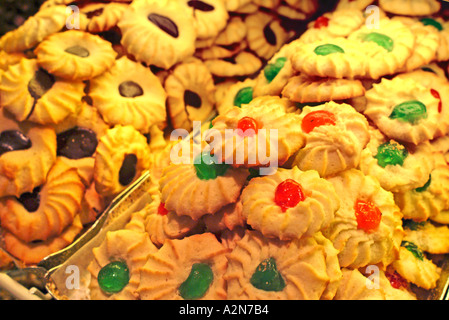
(317, 118)
(391, 153)
(410, 111)
(243, 96)
(396, 280)
(197, 283)
(380, 39)
(247, 127)
(367, 214)
(161, 210)
(113, 277)
(326, 49)
(436, 95)
(288, 194)
(267, 276)
(207, 169)
(321, 22)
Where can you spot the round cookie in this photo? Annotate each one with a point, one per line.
(103, 16)
(48, 210)
(200, 185)
(122, 155)
(410, 7)
(75, 55)
(229, 217)
(161, 224)
(243, 64)
(289, 204)
(155, 33)
(427, 236)
(190, 92)
(28, 151)
(191, 269)
(403, 109)
(115, 268)
(259, 134)
(397, 167)
(271, 269)
(335, 136)
(37, 27)
(304, 89)
(31, 93)
(367, 229)
(129, 94)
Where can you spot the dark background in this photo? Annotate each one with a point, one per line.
(14, 12)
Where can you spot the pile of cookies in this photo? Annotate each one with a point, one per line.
(349, 202)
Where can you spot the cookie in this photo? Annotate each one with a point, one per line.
(75, 55)
(48, 209)
(403, 109)
(415, 267)
(31, 93)
(367, 228)
(200, 186)
(8, 59)
(355, 286)
(426, 43)
(389, 46)
(265, 34)
(439, 88)
(305, 89)
(116, 265)
(339, 23)
(229, 217)
(332, 57)
(353, 4)
(210, 17)
(428, 237)
(271, 269)
(27, 152)
(121, 156)
(102, 16)
(161, 224)
(276, 204)
(45, 22)
(155, 33)
(129, 94)
(190, 92)
(31, 253)
(306, 6)
(429, 200)
(398, 167)
(243, 64)
(275, 74)
(191, 269)
(259, 134)
(335, 136)
(410, 7)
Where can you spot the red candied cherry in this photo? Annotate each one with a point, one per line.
(317, 118)
(396, 280)
(288, 194)
(248, 127)
(367, 214)
(436, 95)
(321, 22)
(161, 210)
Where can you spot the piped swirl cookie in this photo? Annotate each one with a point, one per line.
(75, 55)
(116, 265)
(129, 94)
(289, 204)
(188, 269)
(367, 229)
(335, 136)
(271, 269)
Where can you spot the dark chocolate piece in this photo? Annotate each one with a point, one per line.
(13, 140)
(200, 5)
(130, 89)
(192, 99)
(78, 51)
(31, 200)
(270, 36)
(128, 169)
(165, 24)
(77, 143)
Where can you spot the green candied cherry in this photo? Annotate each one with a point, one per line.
(243, 96)
(410, 111)
(197, 283)
(425, 186)
(432, 22)
(272, 69)
(207, 169)
(414, 249)
(267, 276)
(391, 153)
(326, 49)
(113, 277)
(381, 39)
